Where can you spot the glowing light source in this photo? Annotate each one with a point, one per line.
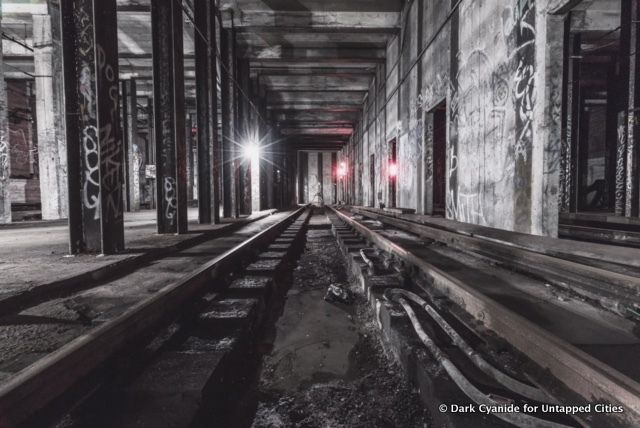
(342, 170)
(393, 169)
(251, 151)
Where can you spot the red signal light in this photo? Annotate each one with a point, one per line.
(342, 170)
(393, 169)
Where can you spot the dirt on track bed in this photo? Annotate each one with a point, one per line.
(374, 396)
(354, 384)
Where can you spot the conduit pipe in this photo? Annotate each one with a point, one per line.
(522, 420)
(502, 378)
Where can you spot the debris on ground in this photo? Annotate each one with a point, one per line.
(335, 293)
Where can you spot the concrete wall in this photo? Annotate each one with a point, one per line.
(319, 181)
(495, 63)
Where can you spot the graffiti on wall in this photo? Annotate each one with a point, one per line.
(492, 100)
(4, 160)
(524, 99)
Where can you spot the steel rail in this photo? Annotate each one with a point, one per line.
(623, 293)
(580, 372)
(31, 389)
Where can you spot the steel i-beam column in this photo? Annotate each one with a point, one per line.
(5, 202)
(191, 174)
(245, 132)
(215, 152)
(630, 40)
(229, 169)
(204, 101)
(95, 154)
(124, 111)
(169, 114)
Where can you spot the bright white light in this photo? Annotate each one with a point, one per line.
(251, 151)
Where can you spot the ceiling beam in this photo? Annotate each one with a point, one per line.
(325, 97)
(317, 131)
(316, 117)
(315, 20)
(323, 55)
(316, 83)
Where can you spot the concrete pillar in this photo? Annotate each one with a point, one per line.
(94, 142)
(5, 202)
(52, 156)
(229, 164)
(169, 112)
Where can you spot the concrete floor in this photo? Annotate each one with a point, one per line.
(34, 254)
(39, 330)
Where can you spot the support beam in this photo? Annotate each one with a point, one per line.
(52, 153)
(94, 143)
(169, 110)
(5, 202)
(188, 135)
(205, 102)
(245, 136)
(215, 152)
(321, 55)
(630, 33)
(317, 98)
(229, 169)
(318, 20)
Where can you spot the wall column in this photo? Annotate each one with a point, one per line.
(94, 142)
(169, 113)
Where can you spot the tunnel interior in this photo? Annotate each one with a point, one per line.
(301, 213)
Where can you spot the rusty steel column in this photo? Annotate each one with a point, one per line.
(169, 114)
(229, 165)
(124, 116)
(215, 26)
(203, 107)
(188, 140)
(245, 132)
(94, 142)
(630, 72)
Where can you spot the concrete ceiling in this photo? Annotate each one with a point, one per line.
(313, 59)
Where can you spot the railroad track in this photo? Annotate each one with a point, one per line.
(592, 352)
(212, 290)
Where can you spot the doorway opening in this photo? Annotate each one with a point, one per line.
(592, 109)
(439, 157)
